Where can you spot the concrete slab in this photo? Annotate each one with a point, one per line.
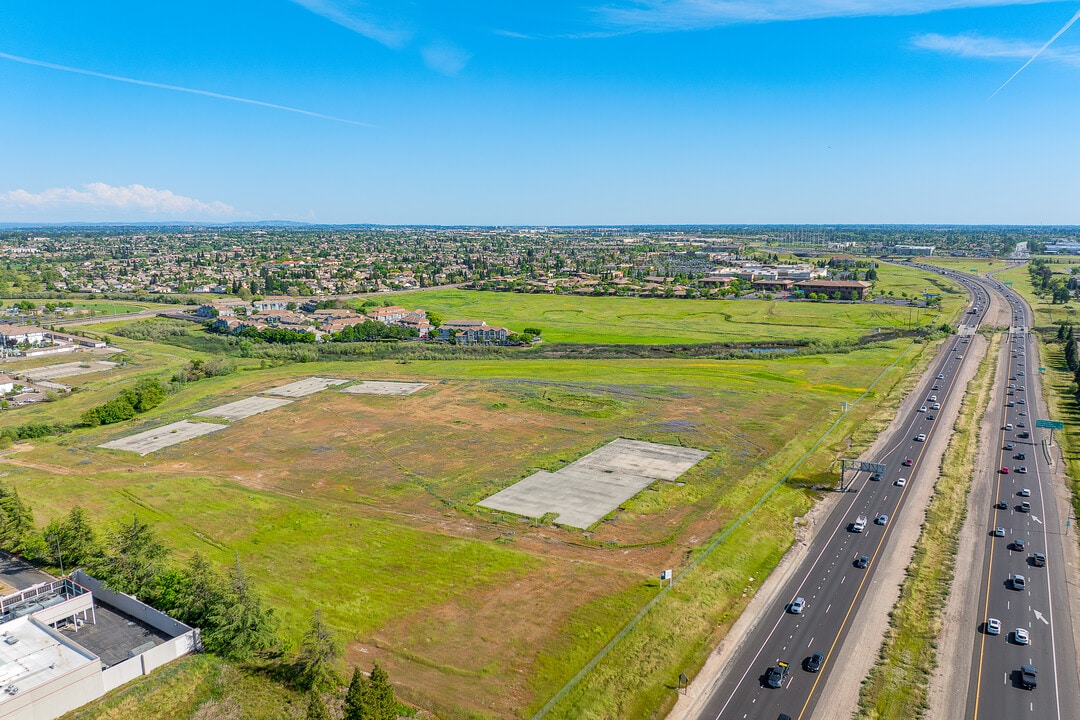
(163, 437)
(586, 490)
(384, 387)
(244, 408)
(304, 387)
(51, 372)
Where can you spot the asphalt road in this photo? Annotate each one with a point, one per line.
(829, 580)
(1041, 607)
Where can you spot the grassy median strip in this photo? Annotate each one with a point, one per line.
(898, 683)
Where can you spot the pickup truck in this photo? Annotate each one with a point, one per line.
(859, 525)
(1027, 677)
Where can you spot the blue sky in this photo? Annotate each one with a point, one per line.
(552, 112)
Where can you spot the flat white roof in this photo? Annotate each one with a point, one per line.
(37, 656)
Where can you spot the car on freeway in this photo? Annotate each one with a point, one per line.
(863, 562)
(937, 406)
(1023, 413)
(1025, 507)
(775, 675)
(1009, 446)
(930, 416)
(1001, 505)
(1019, 545)
(797, 606)
(1010, 404)
(1022, 402)
(1021, 373)
(900, 482)
(940, 377)
(1020, 456)
(1004, 470)
(1028, 677)
(1021, 425)
(1017, 582)
(1024, 492)
(1020, 637)
(881, 519)
(933, 398)
(993, 626)
(876, 477)
(1023, 435)
(922, 409)
(1022, 469)
(814, 662)
(1038, 559)
(936, 387)
(921, 437)
(1008, 426)
(999, 532)
(908, 462)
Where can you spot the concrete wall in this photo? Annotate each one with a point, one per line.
(115, 676)
(133, 607)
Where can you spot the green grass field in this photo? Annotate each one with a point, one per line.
(570, 318)
(365, 506)
(968, 265)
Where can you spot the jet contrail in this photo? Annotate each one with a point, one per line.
(177, 88)
(1038, 52)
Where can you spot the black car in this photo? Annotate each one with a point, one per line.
(1020, 456)
(1001, 505)
(1024, 435)
(1028, 677)
(863, 561)
(775, 675)
(814, 662)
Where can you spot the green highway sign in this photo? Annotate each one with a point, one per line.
(1052, 424)
(1008, 282)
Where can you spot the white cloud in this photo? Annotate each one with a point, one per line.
(358, 17)
(667, 15)
(990, 48)
(445, 58)
(116, 202)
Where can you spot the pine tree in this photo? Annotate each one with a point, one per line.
(318, 651)
(316, 709)
(241, 626)
(381, 704)
(356, 697)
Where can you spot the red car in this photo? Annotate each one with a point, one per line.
(1004, 471)
(908, 462)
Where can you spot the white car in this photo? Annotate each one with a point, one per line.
(922, 409)
(1020, 636)
(921, 437)
(993, 626)
(901, 482)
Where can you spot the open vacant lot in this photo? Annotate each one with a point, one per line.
(165, 436)
(302, 388)
(70, 369)
(586, 490)
(365, 506)
(572, 318)
(473, 611)
(245, 408)
(383, 387)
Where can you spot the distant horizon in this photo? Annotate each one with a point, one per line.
(688, 225)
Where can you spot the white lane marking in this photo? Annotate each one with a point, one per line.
(1036, 519)
(810, 643)
(828, 608)
(1040, 616)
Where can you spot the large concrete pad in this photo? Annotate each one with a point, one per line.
(51, 372)
(244, 408)
(586, 490)
(385, 387)
(162, 437)
(304, 387)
